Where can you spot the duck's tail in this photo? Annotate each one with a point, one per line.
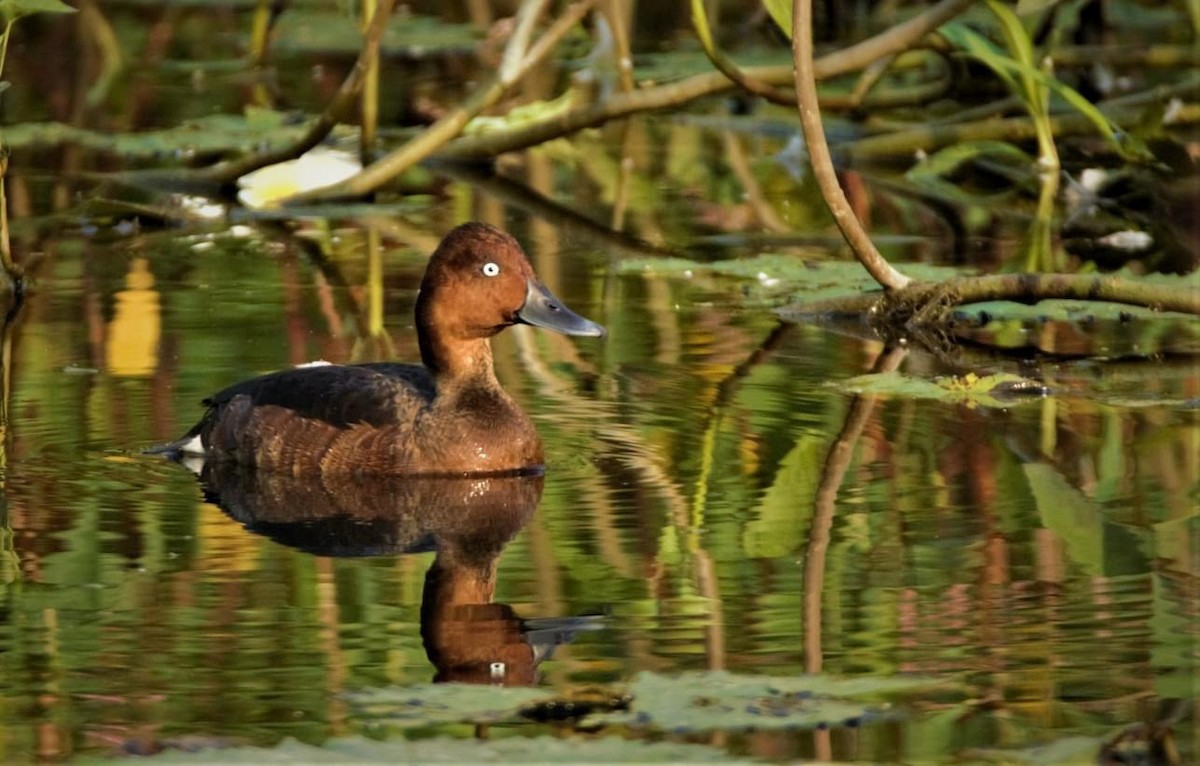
(188, 445)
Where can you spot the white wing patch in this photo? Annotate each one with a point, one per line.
(192, 446)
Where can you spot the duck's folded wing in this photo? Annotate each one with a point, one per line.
(306, 405)
(341, 396)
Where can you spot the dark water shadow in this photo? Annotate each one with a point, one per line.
(467, 521)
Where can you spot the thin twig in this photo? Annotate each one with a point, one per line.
(616, 12)
(518, 45)
(727, 66)
(676, 94)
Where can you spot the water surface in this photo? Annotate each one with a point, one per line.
(715, 498)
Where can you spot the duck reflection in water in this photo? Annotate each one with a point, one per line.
(467, 521)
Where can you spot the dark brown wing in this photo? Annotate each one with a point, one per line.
(340, 395)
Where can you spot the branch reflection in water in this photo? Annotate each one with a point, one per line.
(466, 521)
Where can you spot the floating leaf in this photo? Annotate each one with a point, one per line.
(787, 274)
(711, 701)
(999, 390)
(307, 32)
(1083, 328)
(208, 135)
(320, 167)
(425, 704)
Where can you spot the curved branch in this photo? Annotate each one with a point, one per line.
(727, 66)
(822, 163)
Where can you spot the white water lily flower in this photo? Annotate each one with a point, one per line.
(322, 166)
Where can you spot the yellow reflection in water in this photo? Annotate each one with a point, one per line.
(133, 334)
(223, 544)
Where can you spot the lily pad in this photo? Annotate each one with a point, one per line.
(1084, 328)
(208, 135)
(695, 702)
(447, 750)
(320, 31)
(998, 390)
(425, 704)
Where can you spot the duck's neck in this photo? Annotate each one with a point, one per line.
(458, 362)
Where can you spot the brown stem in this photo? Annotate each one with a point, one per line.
(837, 461)
(677, 94)
(617, 14)
(341, 105)
(11, 270)
(450, 125)
(822, 163)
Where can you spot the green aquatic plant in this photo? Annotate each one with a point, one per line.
(12, 11)
(1032, 82)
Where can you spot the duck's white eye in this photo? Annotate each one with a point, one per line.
(490, 269)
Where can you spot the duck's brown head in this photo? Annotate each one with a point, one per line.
(479, 282)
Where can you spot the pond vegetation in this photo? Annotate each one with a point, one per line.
(940, 509)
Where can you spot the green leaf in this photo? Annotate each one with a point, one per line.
(1070, 514)
(984, 51)
(1020, 75)
(781, 14)
(1030, 7)
(11, 10)
(1015, 33)
(1175, 543)
(929, 173)
(782, 515)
